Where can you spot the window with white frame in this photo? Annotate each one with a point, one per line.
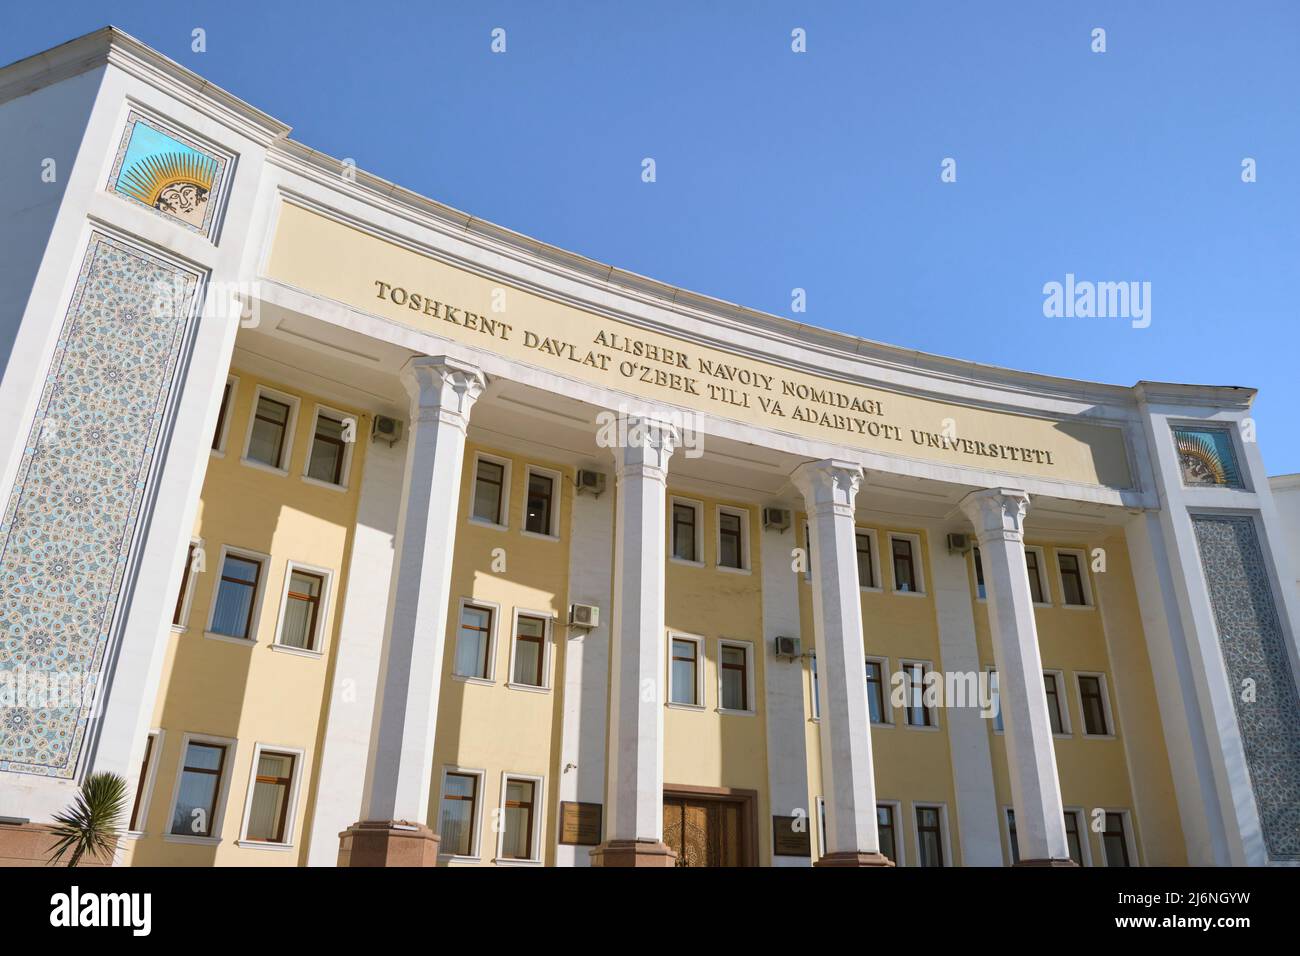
(1058, 714)
(981, 591)
(995, 700)
(1075, 837)
(1116, 839)
(1034, 564)
(1075, 590)
(808, 549)
(302, 612)
(529, 655)
(687, 531)
(223, 415)
(200, 787)
(820, 806)
(930, 842)
(815, 686)
(520, 801)
(735, 684)
(270, 430)
(458, 816)
(914, 706)
(685, 670)
(877, 697)
(330, 456)
(865, 543)
(144, 785)
(238, 594)
(905, 556)
(491, 490)
(271, 798)
(887, 830)
(733, 539)
(541, 512)
(1094, 703)
(474, 640)
(181, 613)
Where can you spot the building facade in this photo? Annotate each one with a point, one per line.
(351, 529)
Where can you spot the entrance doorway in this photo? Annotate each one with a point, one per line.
(710, 826)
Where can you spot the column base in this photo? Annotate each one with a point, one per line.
(1064, 864)
(388, 843)
(633, 853)
(854, 859)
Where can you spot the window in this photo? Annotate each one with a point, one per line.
(876, 692)
(474, 642)
(268, 432)
(327, 460)
(808, 548)
(816, 687)
(866, 560)
(458, 819)
(301, 617)
(1074, 591)
(530, 651)
(733, 676)
(1054, 709)
(223, 415)
(995, 700)
(906, 577)
(887, 830)
(1092, 700)
(202, 771)
(1072, 838)
(143, 787)
(686, 532)
(489, 491)
(1114, 840)
(1034, 566)
(821, 825)
(518, 800)
(268, 809)
(1011, 836)
(187, 579)
(929, 836)
(732, 539)
(918, 714)
(539, 516)
(685, 673)
(237, 592)
(980, 591)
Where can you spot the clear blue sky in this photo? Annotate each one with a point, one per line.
(821, 170)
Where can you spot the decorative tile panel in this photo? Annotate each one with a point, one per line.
(169, 173)
(69, 527)
(1206, 456)
(1254, 650)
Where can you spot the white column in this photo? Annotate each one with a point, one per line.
(634, 826)
(829, 489)
(998, 516)
(443, 391)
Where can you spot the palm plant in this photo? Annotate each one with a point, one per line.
(91, 824)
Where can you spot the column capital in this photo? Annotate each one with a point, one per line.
(442, 388)
(828, 485)
(638, 443)
(997, 513)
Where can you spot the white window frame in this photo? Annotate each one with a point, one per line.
(345, 472)
(819, 808)
(495, 608)
(1085, 838)
(548, 619)
(1105, 705)
(886, 704)
(807, 551)
(291, 812)
(1085, 576)
(190, 577)
(476, 822)
(900, 834)
(674, 500)
(1130, 837)
(993, 723)
(219, 801)
(746, 566)
(699, 643)
(290, 429)
(814, 687)
(263, 585)
(503, 507)
(1062, 702)
(1043, 583)
(557, 489)
(750, 677)
(150, 774)
(927, 668)
(223, 437)
(1005, 812)
(944, 836)
(539, 819)
(877, 572)
(975, 569)
(322, 623)
(918, 567)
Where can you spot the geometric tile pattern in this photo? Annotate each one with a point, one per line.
(1250, 635)
(71, 521)
(166, 171)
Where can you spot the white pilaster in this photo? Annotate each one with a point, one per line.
(830, 489)
(998, 516)
(443, 391)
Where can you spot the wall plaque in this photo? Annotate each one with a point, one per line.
(787, 841)
(580, 823)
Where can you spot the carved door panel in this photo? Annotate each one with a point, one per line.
(703, 832)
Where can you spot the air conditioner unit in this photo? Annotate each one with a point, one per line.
(584, 615)
(592, 481)
(787, 647)
(776, 519)
(958, 543)
(386, 429)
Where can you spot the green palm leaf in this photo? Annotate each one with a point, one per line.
(91, 824)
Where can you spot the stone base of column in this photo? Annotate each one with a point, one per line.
(854, 860)
(1066, 864)
(633, 853)
(388, 843)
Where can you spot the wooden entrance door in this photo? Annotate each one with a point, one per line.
(704, 831)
